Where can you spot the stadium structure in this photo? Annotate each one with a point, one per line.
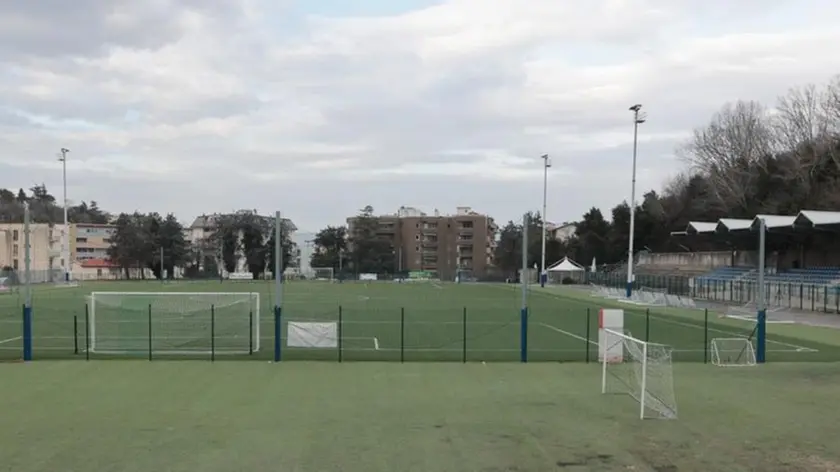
(802, 262)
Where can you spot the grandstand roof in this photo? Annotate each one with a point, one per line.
(817, 218)
(773, 221)
(700, 227)
(804, 219)
(732, 224)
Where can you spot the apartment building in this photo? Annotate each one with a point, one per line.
(45, 250)
(441, 244)
(89, 245)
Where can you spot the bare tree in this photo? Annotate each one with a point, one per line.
(803, 125)
(736, 142)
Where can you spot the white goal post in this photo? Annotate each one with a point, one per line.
(732, 352)
(174, 322)
(322, 273)
(642, 370)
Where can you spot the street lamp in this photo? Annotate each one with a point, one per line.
(67, 264)
(638, 118)
(546, 165)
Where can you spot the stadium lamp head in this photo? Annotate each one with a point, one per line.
(636, 107)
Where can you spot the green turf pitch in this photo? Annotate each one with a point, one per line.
(138, 416)
(380, 321)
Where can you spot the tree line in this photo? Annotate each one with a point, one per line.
(358, 249)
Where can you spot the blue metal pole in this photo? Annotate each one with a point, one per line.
(523, 314)
(277, 333)
(761, 331)
(761, 334)
(27, 332)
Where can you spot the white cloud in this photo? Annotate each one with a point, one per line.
(198, 106)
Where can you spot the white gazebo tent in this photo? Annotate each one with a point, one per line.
(566, 269)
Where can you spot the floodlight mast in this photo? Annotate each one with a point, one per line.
(546, 165)
(65, 237)
(638, 118)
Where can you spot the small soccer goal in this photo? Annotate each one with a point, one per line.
(174, 322)
(323, 273)
(641, 370)
(732, 352)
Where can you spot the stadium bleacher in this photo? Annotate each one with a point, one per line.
(809, 276)
(726, 273)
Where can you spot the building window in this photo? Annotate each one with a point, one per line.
(15, 264)
(81, 240)
(417, 237)
(15, 250)
(15, 235)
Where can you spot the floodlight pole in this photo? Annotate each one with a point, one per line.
(761, 303)
(65, 237)
(546, 165)
(523, 281)
(27, 274)
(638, 118)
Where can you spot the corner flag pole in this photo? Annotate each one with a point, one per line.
(761, 329)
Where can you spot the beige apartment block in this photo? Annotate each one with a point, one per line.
(44, 243)
(443, 244)
(89, 245)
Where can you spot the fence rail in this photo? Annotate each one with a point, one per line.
(798, 296)
(394, 335)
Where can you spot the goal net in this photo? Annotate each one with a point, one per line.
(174, 322)
(322, 273)
(642, 370)
(732, 352)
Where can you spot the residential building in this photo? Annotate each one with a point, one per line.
(563, 232)
(45, 250)
(444, 245)
(89, 245)
(203, 227)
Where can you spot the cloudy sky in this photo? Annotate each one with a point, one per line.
(320, 107)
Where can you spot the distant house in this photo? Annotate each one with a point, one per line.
(564, 232)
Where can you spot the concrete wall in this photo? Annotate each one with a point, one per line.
(706, 260)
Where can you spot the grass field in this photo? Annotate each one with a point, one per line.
(136, 415)
(425, 417)
(382, 321)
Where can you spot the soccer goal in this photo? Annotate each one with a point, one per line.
(732, 352)
(642, 370)
(322, 273)
(174, 322)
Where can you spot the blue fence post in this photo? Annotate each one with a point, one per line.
(523, 334)
(27, 332)
(277, 333)
(761, 333)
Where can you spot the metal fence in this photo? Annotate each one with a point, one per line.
(394, 335)
(798, 296)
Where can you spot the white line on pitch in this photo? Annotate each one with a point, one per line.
(4, 341)
(689, 325)
(554, 328)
